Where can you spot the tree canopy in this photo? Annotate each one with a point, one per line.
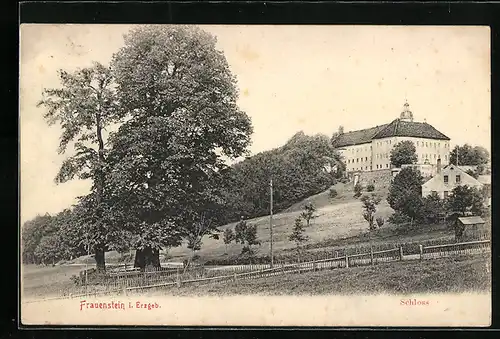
(297, 170)
(405, 193)
(403, 153)
(167, 158)
(469, 156)
(84, 107)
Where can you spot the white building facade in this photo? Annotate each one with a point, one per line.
(370, 149)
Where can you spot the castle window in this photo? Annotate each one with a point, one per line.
(445, 178)
(366, 168)
(366, 158)
(445, 194)
(445, 157)
(357, 159)
(457, 179)
(387, 165)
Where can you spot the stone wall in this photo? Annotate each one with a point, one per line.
(380, 178)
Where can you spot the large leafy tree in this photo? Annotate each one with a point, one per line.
(84, 107)
(469, 156)
(183, 119)
(403, 153)
(405, 193)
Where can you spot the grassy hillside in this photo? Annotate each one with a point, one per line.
(337, 217)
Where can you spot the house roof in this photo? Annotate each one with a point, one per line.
(484, 179)
(401, 128)
(436, 183)
(397, 128)
(471, 220)
(362, 136)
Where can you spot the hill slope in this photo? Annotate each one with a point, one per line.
(336, 217)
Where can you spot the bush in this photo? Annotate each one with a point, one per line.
(358, 189)
(370, 188)
(398, 218)
(344, 180)
(76, 280)
(332, 193)
(380, 221)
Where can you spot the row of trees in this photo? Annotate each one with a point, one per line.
(298, 170)
(47, 239)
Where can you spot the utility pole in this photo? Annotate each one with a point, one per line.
(271, 221)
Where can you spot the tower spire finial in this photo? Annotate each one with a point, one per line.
(406, 114)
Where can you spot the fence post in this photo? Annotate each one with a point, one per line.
(421, 250)
(371, 256)
(400, 252)
(346, 261)
(178, 279)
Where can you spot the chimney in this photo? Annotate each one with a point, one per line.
(438, 165)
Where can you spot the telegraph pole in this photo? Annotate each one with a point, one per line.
(271, 222)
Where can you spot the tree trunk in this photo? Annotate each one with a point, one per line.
(99, 259)
(147, 258)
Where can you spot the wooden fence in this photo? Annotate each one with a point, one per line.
(126, 282)
(463, 248)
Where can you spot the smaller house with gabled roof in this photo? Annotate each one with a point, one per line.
(447, 179)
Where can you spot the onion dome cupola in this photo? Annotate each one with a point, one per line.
(406, 114)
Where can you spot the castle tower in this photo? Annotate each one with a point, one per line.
(406, 114)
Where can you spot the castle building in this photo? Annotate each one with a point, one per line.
(370, 149)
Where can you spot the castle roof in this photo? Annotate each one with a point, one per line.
(397, 128)
(401, 128)
(361, 136)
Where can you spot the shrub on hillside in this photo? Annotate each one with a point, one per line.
(370, 188)
(344, 180)
(358, 189)
(398, 218)
(380, 221)
(332, 193)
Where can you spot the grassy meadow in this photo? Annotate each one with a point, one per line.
(445, 275)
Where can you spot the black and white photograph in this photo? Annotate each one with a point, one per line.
(255, 175)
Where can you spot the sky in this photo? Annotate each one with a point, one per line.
(291, 78)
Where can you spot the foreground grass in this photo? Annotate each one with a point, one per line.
(446, 275)
(40, 281)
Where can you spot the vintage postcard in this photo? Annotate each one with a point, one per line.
(255, 175)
